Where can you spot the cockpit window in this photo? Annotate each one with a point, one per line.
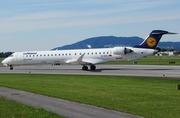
(11, 56)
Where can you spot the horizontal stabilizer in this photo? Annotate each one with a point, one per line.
(171, 33)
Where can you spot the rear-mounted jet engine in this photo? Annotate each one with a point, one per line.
(121, 50)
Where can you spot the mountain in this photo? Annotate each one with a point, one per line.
(169, 45)
(112, 41)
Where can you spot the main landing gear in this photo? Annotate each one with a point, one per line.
(92, 67)
(11, 67)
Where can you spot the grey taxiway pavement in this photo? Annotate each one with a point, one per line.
(76, 110)
(62, 107)
(118, 70)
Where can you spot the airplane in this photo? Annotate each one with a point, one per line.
(87, 57)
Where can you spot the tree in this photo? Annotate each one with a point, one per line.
(6, 54)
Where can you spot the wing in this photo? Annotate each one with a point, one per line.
(82, 61)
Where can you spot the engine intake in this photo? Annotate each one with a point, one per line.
(122, 50)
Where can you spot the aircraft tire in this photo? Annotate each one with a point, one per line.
(93, 67)
(11, 67)
(84, 68)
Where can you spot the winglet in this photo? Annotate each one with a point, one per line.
(153, 39)
(78, 61)
(80, 58)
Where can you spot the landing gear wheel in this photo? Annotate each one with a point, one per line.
(11, 67)
(84, 68)
(93, 67)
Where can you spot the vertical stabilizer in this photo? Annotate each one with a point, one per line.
(153, 39)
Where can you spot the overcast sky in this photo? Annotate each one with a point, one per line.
(45, 24)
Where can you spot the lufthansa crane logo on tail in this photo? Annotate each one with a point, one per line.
(151, 42)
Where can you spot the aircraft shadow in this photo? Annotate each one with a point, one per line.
(97, 70)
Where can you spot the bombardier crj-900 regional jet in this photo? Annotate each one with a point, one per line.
(87, 57)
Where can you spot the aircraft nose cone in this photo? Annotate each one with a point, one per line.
(4, 62)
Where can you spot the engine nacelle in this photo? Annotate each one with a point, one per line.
(121, 50)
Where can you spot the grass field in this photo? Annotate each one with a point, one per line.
(1, 61)
(153, 60)
(11, 109)
(148, 97)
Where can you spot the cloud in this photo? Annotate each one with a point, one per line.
(23, 24)
(125, 13)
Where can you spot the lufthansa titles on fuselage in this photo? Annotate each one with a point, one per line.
(29, 53)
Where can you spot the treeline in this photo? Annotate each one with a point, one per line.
(5, 54)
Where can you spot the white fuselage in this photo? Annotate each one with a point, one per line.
(78, 56)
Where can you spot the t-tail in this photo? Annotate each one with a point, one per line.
(153, 39)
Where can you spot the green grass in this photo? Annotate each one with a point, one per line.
(148, 97)
(11, 109)
(1, 61)
(153, 60)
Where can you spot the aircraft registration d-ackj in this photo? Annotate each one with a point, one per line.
(87, 57)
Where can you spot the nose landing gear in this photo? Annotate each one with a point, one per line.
(11, 67)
